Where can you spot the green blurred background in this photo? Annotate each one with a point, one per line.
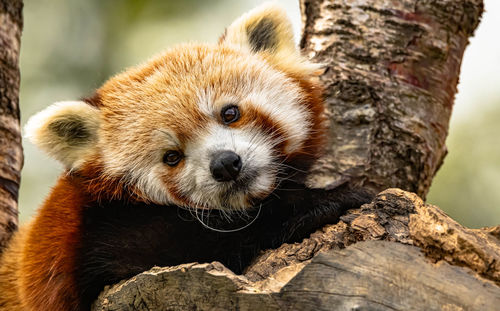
(70, 47)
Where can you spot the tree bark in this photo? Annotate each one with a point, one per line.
(392, 69)
(391, 73)
(11, 152)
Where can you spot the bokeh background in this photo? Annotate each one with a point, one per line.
(70, 47)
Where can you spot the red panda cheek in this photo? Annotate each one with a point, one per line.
(171, 184)
(316, 140)
(176, 194)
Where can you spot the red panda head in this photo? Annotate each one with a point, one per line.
(200, 126)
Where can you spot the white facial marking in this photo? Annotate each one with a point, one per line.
(283, 106)
(257, 175)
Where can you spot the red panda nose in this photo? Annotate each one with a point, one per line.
(225, 166)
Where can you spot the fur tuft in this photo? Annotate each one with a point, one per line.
(65, 130)
(267, 31)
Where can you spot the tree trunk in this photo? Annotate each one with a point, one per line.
(11, 152)
(391, 73)
(391, 77)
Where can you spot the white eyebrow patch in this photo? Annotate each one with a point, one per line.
(165, 138)
(210, 105)
(285, 110)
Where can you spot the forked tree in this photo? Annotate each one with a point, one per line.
(391, 71)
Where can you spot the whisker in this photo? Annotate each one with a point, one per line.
(230, 230)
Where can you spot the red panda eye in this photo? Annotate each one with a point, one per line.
(230, 114)
(172, 157)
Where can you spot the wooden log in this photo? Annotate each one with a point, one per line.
(371, 275)
(368, 261)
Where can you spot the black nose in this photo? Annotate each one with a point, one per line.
(225, 165)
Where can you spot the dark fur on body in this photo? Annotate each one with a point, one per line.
(123, 239)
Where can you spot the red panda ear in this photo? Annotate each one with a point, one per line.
(67, 131)
(267, 31)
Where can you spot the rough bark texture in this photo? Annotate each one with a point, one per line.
(355, 278)
(391, 73)
(344, 275)
(395, 216)
(391, 76)
(11, 153)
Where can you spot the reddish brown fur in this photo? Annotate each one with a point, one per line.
(102, 187)
(94, 100)
(177, 194)
(47, 263)
(252, 115)
(313, 99)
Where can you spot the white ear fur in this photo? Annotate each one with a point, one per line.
(65, 130)
(267, 31)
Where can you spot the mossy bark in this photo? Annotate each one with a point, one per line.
(11, 152)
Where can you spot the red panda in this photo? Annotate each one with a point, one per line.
(198, 154)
